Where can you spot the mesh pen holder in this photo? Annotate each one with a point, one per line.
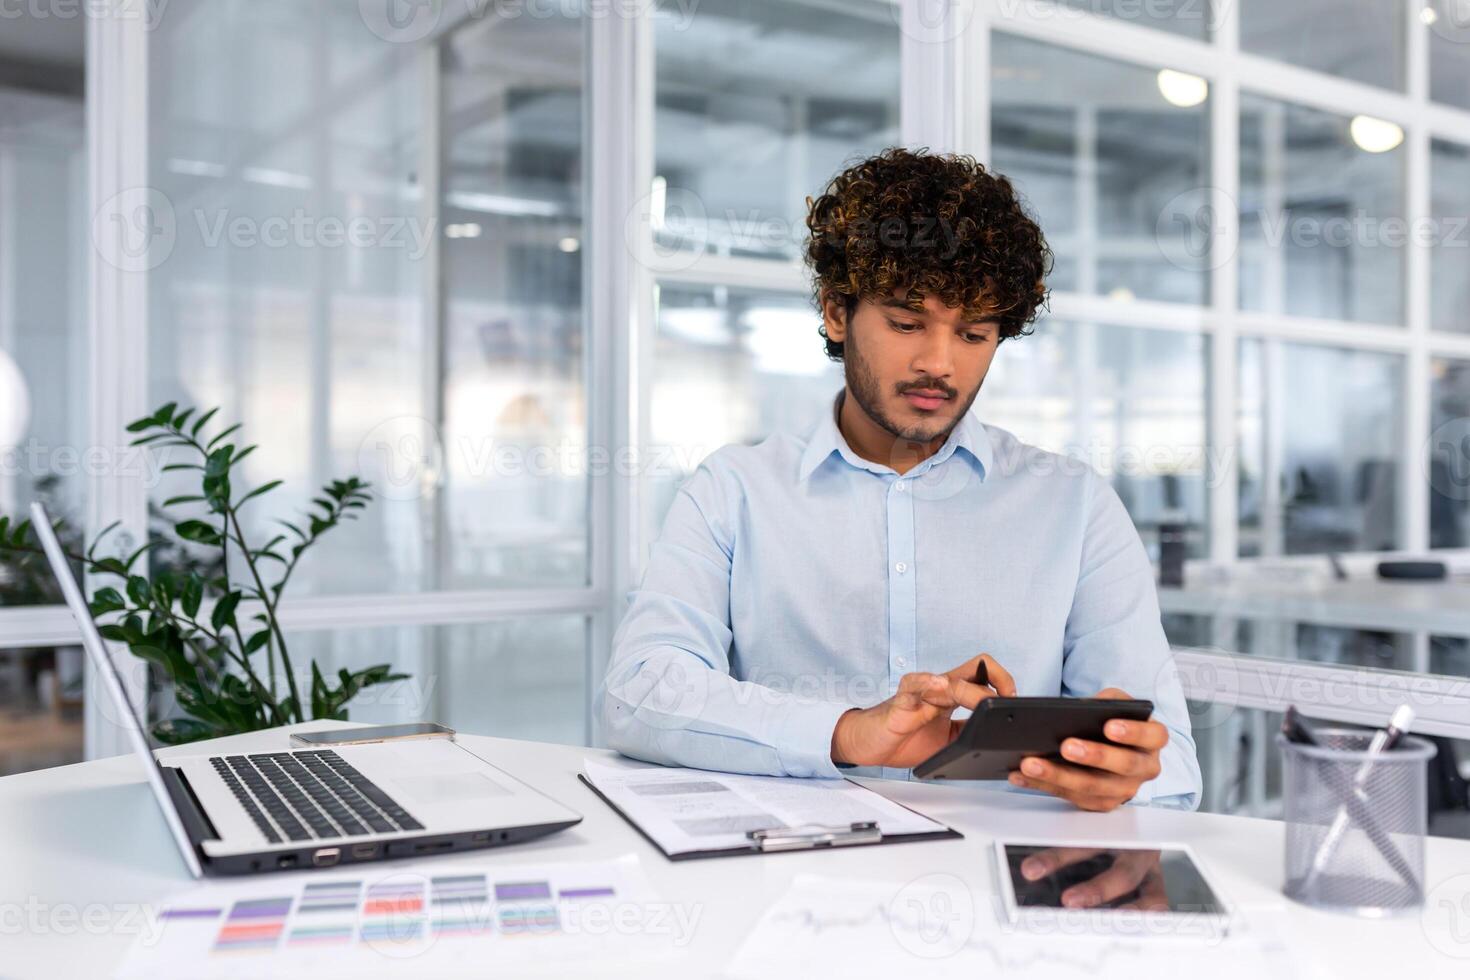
(1354, 847)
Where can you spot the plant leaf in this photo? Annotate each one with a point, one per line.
(218, 462)
(139, 590)
(259, 491)
(192, 596)
(146, 440)
(98, 540)
(110, 566)
(221, 436)
(197, 531)
(201, 421)
(224, 611)
(140, 552)
(187, 499)
(107, 600)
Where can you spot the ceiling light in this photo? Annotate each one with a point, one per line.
(1375, 135)
(1182, 89)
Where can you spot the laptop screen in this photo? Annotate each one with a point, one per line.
(125, 716)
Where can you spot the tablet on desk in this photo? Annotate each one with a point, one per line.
(1003, 731)
(1143, 889)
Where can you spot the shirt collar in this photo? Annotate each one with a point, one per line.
(826, 439)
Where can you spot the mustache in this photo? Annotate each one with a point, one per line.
(927, 384)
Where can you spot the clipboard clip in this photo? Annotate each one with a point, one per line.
(814, 835)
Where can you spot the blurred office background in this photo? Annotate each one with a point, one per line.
(578, 273)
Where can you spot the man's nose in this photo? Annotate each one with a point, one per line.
(936, 357)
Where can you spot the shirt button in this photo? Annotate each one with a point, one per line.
(901, 567)
(901, 662)
(902, 486)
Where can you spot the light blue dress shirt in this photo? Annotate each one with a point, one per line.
(794, 580)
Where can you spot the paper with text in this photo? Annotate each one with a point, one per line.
(691, 810)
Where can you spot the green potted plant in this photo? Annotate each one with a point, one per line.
(210, 624)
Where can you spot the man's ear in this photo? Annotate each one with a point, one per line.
(834, 317)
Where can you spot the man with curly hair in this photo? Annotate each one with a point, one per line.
(815, 603)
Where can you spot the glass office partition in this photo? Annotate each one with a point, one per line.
(44, 394)
(1360, 40)
(730, 366)
(1449, 51)
(1113, 161)
(524, 677)
(1449, 296)
(1129, 402)
(1448, 454)
(1319, 436)
(43, 367)
(1322, 213)
(758, 103)
(1189, 18)
(356, 326)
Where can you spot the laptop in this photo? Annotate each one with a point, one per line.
(303, 808)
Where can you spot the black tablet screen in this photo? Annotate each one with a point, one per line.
(1066, 876)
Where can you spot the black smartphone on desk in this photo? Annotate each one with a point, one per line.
(1003, 731)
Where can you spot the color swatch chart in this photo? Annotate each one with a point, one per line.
(436, 917)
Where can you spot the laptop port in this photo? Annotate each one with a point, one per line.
(482, 837)
(325, 857)
(364, 851)
(286, 861)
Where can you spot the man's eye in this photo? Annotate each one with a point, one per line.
(902, 326)
(977, 338)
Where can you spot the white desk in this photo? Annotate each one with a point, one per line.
(1359, 603)
(88, 835)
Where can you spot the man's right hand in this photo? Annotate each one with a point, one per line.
(915, 723)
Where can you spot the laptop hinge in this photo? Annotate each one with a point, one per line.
(191, 812)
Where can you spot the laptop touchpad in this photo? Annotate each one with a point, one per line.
(451, 787)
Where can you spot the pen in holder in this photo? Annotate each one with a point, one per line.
(1355, 821)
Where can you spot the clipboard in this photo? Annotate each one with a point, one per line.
(779, 840)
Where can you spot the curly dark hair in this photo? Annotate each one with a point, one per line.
(934, 224)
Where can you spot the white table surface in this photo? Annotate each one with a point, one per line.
(1441, 607)
(82, 844)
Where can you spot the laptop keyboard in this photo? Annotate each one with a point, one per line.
(308, 795)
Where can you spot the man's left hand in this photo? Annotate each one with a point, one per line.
(1100, 775)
